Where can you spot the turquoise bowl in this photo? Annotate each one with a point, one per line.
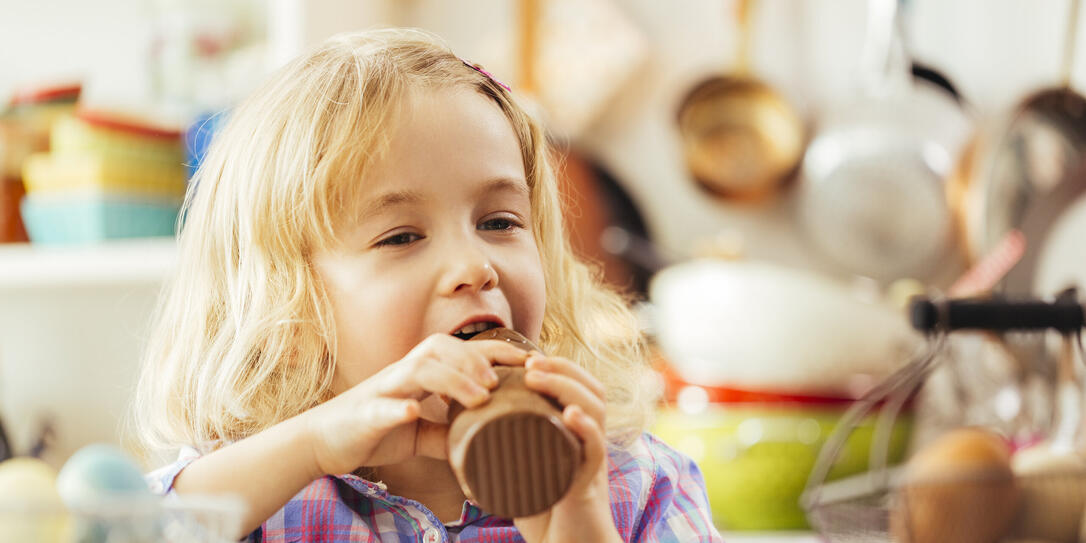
(91, 219)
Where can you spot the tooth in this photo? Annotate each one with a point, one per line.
(476, 327)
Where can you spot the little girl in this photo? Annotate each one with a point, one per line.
(374, 204)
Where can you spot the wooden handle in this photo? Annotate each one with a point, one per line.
(528, 28)
(742, 17)
(1069, 43)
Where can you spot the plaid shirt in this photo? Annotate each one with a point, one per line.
(657, 494)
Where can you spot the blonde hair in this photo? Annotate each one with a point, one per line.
(244, 333)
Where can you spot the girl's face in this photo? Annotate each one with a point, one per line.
(442, 238)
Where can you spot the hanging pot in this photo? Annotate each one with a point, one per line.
(872, 195)
(741, 139)
(1024, 171)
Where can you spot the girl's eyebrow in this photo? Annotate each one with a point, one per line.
(389, 200)
(505, 184)
(392, 199)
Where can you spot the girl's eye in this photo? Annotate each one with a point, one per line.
(500, 223)
(402, 238)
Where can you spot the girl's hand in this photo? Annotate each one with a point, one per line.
(584, 514)
(378, 422)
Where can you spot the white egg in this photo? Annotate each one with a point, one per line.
(1053, 486)
(30, 509)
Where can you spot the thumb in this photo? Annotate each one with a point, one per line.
(431, 439)
(384, 414)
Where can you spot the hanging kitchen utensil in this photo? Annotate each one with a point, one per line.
(957, 502)
(741, 139)
(588, 52)
(1026, 170)
(930, 74)
(872, 191)
(593, 199)
(925, 74)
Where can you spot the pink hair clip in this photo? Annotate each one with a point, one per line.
(479, 69)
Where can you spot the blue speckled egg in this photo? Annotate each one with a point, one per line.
(100, 472)
(109, 496)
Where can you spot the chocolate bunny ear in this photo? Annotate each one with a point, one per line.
(510, 336)
(45, 440)
(5, 445)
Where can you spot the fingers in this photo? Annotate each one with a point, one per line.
(595, 444)
(386, 413)
(438, 378)
(501, 352)
(448, 366)
(416, 380)
(569, 369)
(582, 395)
(567, 383)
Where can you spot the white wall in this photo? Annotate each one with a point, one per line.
(104, 43)
(68, 354)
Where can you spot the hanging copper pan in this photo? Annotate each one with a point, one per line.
(741, 139)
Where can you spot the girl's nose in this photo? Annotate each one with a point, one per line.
(469, 270)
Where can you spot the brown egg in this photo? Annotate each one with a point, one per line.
(1053, 488)
(958, 488)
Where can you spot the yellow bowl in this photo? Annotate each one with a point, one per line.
(95, 172)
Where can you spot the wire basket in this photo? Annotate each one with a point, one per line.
(878, 507)
(175, 519)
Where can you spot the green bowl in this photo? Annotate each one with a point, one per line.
(756, 458)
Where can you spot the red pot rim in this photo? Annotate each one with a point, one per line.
(735, 395)
(130, 125)
(66, 92)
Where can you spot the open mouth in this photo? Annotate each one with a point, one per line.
(471, 330)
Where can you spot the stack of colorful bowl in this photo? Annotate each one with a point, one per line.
(105, 177)
(763, 362)
(756, 449)
(25, 124)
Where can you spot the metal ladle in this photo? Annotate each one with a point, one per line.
(741, 139)
(1026, 171)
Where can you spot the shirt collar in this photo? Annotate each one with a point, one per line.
(469, 512)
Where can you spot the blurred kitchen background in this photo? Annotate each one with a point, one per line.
(770, 180)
